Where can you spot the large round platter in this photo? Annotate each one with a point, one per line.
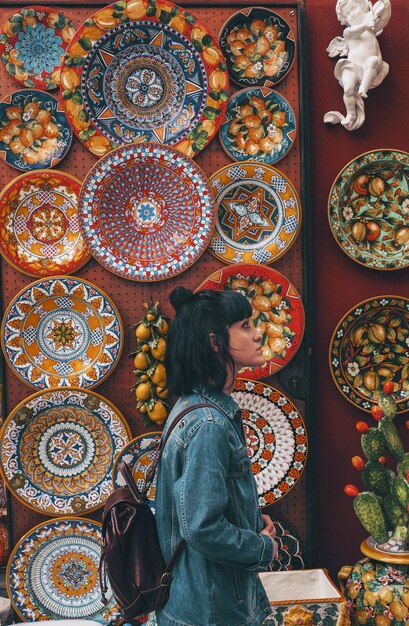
(276, 438)
(277, 310)
(370, 346)
(52, 573)
(62, 331)
(146, 212)
(368, 209)
(258, 213)
(144, 72)
(57, 450)
(39, 227)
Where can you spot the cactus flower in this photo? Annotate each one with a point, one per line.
(358, 463)
(362, 427)
(351, 490)
(376, 412)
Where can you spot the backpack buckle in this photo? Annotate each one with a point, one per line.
(166, 579)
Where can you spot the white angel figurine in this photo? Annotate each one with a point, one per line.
(363, 67)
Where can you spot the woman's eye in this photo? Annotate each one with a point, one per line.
(246, 324)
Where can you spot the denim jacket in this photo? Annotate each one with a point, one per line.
(206, 494)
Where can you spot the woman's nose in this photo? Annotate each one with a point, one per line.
(257, 335)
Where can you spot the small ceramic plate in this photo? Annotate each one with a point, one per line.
(370, 346)
(290, 554)
(368, 209)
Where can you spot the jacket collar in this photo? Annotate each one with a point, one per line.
(224, 402)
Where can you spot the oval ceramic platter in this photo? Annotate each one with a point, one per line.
(277, 311)
(57, 450)
(368, 209)
(62, 331)
(258, 213)
(144, 72)
(370, 346)
(39, 229)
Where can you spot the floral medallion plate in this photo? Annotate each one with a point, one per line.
(290, 554)
(258, 213)
(370, 346)
(259, 125)
(138, 71)
(277, 311)
(146, 212)
(40, 233)
(259, 46)
(32, 44)
(52, 573)
(368, 209)
(34, 132)
(62, 331)
(276, 438)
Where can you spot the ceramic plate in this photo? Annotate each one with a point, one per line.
(258, 213)
(368, 209)
(290, 552)
(370, 346)
(135, 74)
(277, 310)
(62, 331)
(52, 573)
(276, 438)
(57, 450)
(34, 131)
(146, 212)
(260, 125)
(32, 45)
(259, 46)
(39, 227)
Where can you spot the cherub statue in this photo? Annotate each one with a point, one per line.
(363, 67)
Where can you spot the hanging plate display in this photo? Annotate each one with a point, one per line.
(57, 450)
(144, 72)
(39, 227)
(258, 213)
(62, 331)
(369, 347)
(368, 209)
(277, 310)
(146, 212)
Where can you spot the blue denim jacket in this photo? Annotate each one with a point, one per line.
(206, 493)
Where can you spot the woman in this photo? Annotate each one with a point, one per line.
(205, 492)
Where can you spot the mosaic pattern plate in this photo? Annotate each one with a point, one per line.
(290, 554)
(57, 450)
(39, 229)
(258, 213)
(368, 209)
(277, 311)
(62, 331)
(370, 346)
(52, 573)
(144, 72)
(146, 212)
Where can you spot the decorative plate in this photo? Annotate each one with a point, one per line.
(277, 310)
(32, 44)
(62, 331)
(368, 209)
(369, 346)
(260, 125)
(144, 72)
(259, 46)
(146, 212)
(57, 450)
(39, 228)
(290, 552)
(258, 213)
(276, 438)
(35, 133)
(52, 573)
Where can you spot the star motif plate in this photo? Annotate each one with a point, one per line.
(62, 331)
(369, 346)
(276, 438)
(57, 450)
(368, 209)
(143, 72)
(258, 213)
(277, 310)
(39, 224)
(146, 212)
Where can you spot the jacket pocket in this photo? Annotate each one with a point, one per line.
(240, 464)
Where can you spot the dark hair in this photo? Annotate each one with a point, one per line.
(190, 359)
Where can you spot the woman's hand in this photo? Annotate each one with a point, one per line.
(270, 529)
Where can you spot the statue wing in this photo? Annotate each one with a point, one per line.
(337, 47)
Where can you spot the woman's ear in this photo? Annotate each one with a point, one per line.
(214, 342)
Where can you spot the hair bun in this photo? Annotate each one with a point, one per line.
(180, 296)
